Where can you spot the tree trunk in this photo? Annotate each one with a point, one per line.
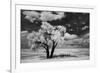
(52, 52)
(47, 53)
(53, 49)
(46, 47)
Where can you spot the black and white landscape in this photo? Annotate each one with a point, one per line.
(54, 36)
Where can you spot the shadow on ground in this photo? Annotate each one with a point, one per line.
(59, 56)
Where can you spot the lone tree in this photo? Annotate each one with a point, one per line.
(48, 37)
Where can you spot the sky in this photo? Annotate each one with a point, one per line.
(75, 23)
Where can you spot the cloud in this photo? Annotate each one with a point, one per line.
(59, 15)
(43, 16)
(85, 27)
(49, 16)
(70, 36)
(31, 15)
(86, 35)
(30, 18)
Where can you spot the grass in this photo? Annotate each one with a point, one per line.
(70, 50)
(71, 54)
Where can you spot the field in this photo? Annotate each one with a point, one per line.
(70, 54)
(75, 49)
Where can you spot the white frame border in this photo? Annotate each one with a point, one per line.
(44, 66)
